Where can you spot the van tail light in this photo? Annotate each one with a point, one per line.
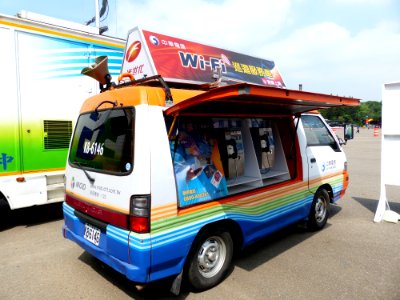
(139, 213)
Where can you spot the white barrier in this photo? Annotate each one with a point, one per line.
(390, 158)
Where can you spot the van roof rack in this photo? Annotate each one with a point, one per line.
(150, 81)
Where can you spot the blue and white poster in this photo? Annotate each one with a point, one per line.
(198, 168)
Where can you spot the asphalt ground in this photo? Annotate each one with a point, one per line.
(351, 258)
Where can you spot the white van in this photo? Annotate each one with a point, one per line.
(171, 181)
(154, 192)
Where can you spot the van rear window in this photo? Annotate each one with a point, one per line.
(103, 141)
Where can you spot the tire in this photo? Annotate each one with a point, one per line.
(210, 259)
(4, 212)
(319, 212)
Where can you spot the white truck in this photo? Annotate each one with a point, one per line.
(42, 90)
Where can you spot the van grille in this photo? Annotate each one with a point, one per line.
(57, 134)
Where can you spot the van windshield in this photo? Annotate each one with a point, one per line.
(103, 141)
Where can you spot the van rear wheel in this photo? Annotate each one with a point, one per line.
(319, 212)
(210, 260)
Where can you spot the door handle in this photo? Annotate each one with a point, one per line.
(313, 160)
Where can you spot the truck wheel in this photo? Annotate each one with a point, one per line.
(4, 212)
(210, 260)
(319, 210)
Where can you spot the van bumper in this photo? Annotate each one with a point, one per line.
(116, 247)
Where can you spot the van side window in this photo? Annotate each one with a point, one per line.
(317, 133)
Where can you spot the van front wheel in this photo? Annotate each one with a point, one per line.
(319, 210)
(210, 259)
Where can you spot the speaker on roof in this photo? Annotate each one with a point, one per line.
(99, 71)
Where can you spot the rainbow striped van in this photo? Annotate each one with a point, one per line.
(156, 190)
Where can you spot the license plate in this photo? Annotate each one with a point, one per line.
(92, 234)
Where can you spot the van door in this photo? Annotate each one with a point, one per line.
(324, 155)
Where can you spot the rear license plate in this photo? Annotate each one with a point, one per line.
(92, 234)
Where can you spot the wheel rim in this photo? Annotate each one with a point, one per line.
(211, 256)
(320, 210)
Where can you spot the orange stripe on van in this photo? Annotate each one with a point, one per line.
(326, 178)
(163, 211)
(329, 176)
(273, 193)
(192, 209)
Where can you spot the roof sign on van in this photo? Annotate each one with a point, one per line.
(177, 60)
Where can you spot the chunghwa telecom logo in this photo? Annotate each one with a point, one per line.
(154, 40)
(133, 51)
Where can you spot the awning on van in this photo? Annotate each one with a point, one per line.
(248, 99)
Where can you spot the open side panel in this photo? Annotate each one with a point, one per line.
(238, 138)
(246, 99)
(216, 157)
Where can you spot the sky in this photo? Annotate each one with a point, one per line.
(340, 47)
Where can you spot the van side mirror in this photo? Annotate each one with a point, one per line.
(348, 132)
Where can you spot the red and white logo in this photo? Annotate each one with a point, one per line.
(133, 51)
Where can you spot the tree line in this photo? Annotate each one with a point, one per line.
(357, 115)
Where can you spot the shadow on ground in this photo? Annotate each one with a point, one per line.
(371, 204)
(30, 216)
(250, 258)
